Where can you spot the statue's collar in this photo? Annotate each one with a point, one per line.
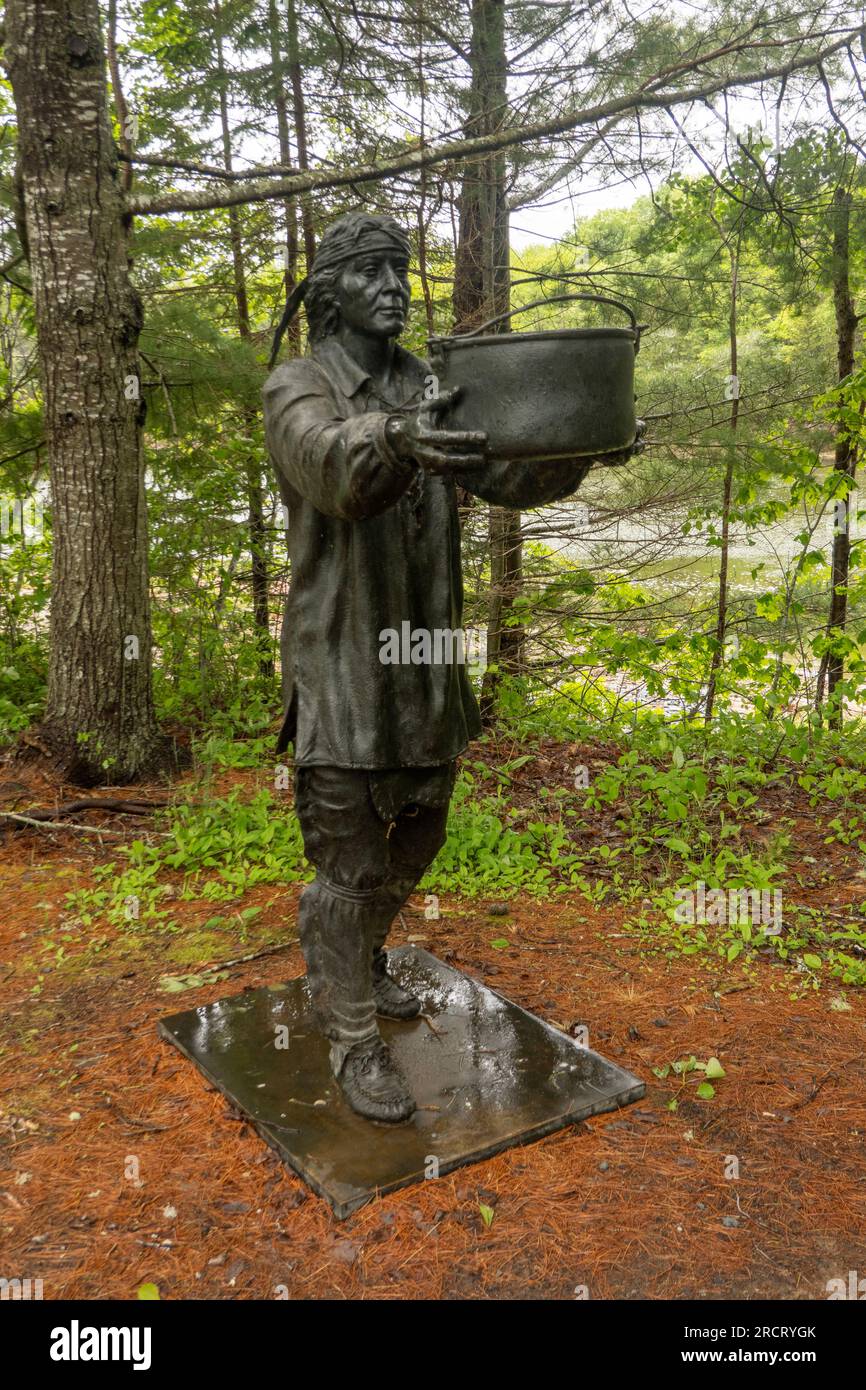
(347, 374)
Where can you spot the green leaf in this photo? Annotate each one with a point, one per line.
(176, 984)
(500, 943)
(678, 846)
(714, 1069)
(705, 1091)
(172, 984)
(148, 1292)
(813, 962)
(487, 1214)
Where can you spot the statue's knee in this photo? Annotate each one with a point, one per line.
(360, 889)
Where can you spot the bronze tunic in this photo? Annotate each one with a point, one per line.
(374, 543)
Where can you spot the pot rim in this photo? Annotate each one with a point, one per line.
(542, 335)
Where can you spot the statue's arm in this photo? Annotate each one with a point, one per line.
(521, 485)
(346, 468)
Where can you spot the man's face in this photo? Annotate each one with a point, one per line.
(373, 293)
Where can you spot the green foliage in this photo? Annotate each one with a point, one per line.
(219, 849)
(485, 853)
(24, 567)
(690, 1067)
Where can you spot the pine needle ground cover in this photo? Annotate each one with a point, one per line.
(739, 1176)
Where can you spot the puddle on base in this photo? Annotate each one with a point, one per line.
(485, 1073)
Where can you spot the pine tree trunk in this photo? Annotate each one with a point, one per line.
(255, 499)
(482, 275)
(832, 667)
(299, 111)
(99, 719)
(293, 333)
(727, 490)
(482, 288)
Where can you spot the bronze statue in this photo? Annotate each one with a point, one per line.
(369, 479)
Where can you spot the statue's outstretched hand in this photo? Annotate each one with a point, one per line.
(417, 436)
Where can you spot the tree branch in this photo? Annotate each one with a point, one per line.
(412, 160)
(211, 170)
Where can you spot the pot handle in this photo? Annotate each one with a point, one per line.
(554, 299)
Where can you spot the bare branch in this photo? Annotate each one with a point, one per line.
(210, 170)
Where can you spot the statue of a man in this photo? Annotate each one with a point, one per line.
(369, 480)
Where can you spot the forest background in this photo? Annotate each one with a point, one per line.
(664, 660)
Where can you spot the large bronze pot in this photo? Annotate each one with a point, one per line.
(564, 393)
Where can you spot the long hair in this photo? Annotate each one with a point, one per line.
(321, 303)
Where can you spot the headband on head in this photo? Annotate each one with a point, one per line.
(342, 242)
(334, 251)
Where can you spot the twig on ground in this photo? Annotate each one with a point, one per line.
(138, 1124)
(242, 960)
(71, 825)
(817, 1084)
(133, 807)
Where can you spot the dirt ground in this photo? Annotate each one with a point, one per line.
(637, 1204)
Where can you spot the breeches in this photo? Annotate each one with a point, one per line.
(370, 843)
(356, 840)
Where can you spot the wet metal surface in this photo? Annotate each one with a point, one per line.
(485, 1073)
